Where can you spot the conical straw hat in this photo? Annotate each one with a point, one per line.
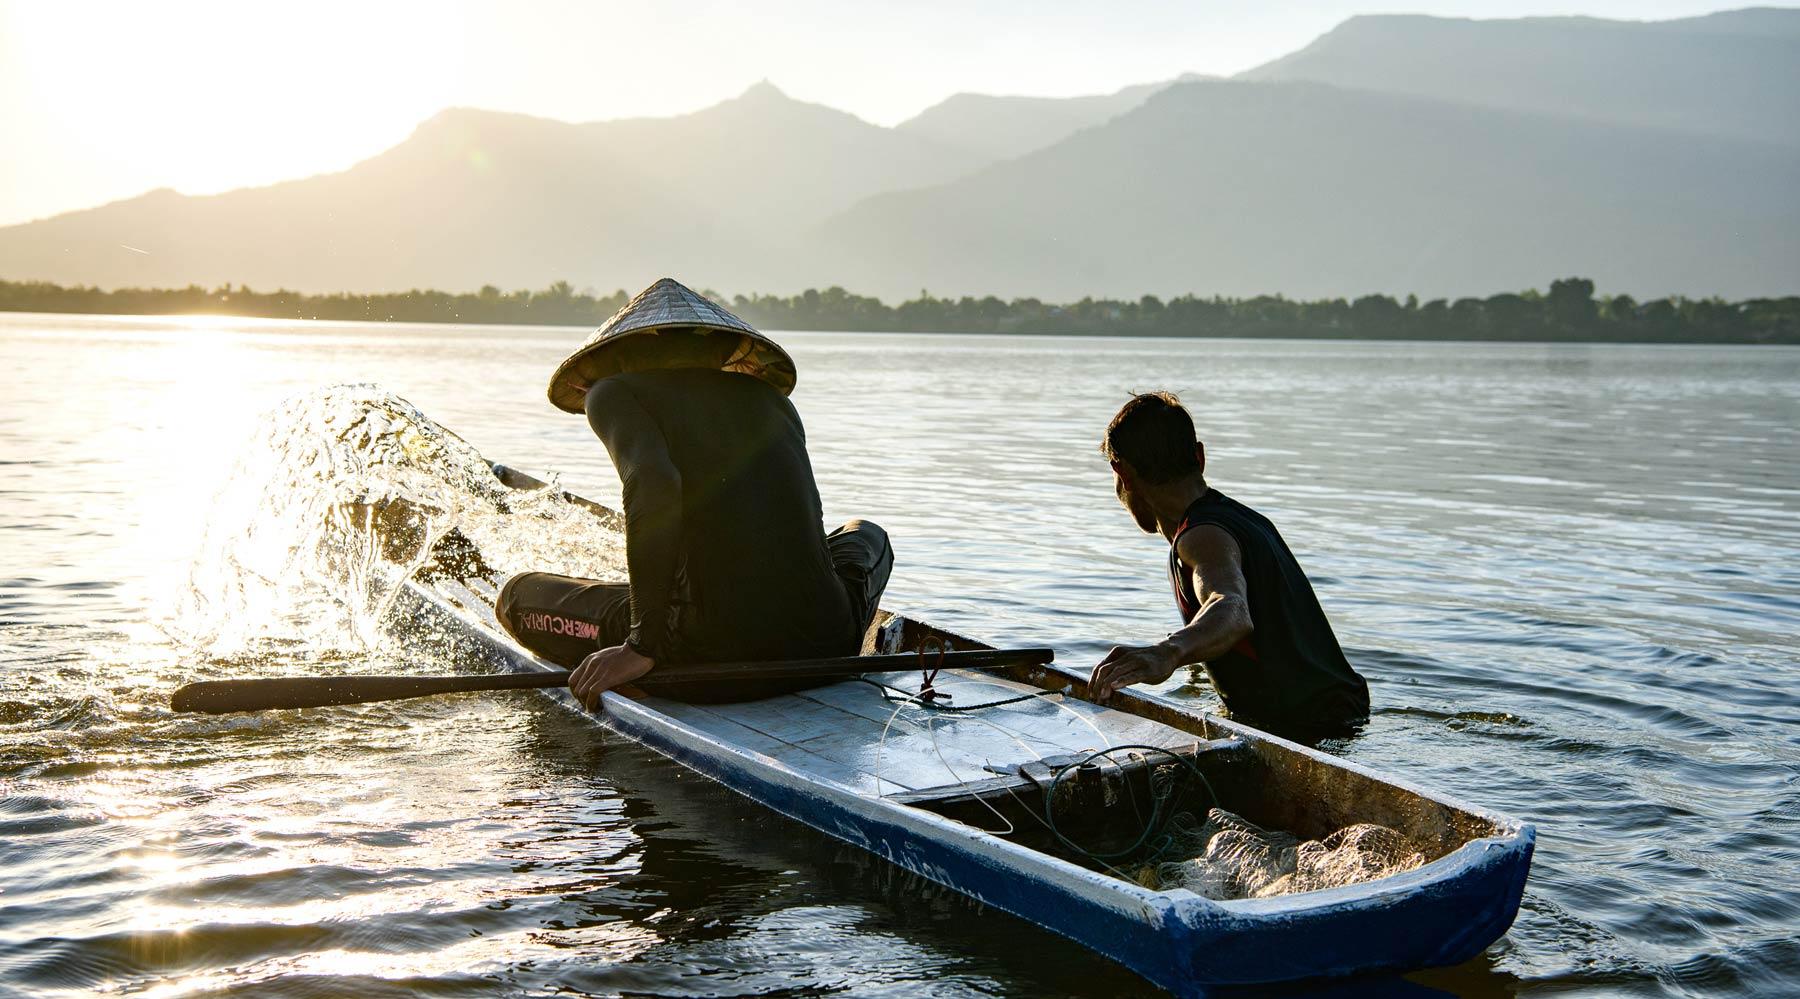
(668, 325)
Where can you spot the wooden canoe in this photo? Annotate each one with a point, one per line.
(935, 794)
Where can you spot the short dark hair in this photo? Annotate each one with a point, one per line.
(1154, 435)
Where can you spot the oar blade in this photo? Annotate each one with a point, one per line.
(217, 697)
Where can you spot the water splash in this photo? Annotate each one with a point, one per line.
(340, 496)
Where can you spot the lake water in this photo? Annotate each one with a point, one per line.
(1571, 575)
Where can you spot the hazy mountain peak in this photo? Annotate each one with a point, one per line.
(1747, 21)
(763, 90)
(460, 128)
(763, 97)
(1004, 126)
(1765, 21)
(464, 117)
(764, 105)
(1733, 74)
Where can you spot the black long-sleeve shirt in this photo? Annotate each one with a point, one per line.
(723, 533)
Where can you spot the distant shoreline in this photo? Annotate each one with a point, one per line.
(1567, 313)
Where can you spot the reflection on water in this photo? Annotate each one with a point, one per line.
(1568, 572)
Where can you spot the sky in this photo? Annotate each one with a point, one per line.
(105, 100)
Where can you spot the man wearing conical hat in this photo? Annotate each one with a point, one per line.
(727, 553)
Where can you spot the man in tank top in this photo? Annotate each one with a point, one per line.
(1248, 613)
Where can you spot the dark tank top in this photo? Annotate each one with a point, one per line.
(1289, 676)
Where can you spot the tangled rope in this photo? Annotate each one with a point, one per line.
(1158, 819)
(929, 698)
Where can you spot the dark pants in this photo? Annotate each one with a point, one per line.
(563, 618)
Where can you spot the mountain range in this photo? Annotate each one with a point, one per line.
(1395, 153)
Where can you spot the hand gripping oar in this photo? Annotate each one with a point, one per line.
(223, 696)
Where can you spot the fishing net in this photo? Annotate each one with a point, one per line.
(1229, 857)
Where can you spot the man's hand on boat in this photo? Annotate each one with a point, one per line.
(602, 671)
(1126, 665)
(1221, 623)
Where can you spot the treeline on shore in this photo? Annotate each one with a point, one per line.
(1569, 311)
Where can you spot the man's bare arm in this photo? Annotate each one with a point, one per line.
(1222, 621)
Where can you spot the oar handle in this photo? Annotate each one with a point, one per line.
(258, 694)
(217, 697)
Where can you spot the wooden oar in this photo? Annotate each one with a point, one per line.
(223, 696)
